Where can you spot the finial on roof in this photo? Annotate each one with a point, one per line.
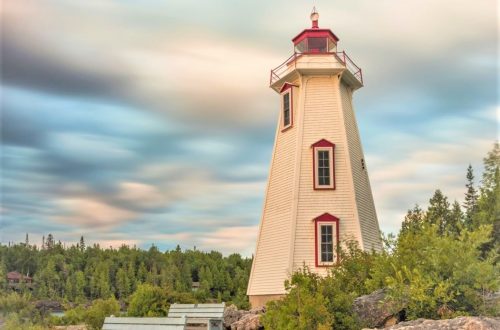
(314, 18)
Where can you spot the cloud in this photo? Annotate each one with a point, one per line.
(91, 213)
(153, 123)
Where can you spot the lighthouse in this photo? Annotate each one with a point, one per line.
(318, 192)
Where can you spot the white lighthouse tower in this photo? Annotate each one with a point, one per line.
(318, 192)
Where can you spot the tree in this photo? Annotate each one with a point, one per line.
(455, 220)
(81, 245)
(148, 300)
(50, 243)
(413, 220)
(99, 310)
(470, 203)
(79, 286)
(122, 283)
(438, 211)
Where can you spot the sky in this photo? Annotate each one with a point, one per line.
(151, 122)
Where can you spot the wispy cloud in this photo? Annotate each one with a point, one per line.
(153, 122)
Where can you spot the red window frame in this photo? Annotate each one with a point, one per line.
(324, 145)
(328, 219)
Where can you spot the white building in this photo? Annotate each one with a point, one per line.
(318, 192)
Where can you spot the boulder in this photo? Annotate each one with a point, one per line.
(374, 311)
(45, 306)
(459, 323)
(247, 322)
(232, 315)
(241, 319)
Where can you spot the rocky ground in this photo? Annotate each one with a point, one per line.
(235, 319)
(459, 323)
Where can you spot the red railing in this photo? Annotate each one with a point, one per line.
(342, 57)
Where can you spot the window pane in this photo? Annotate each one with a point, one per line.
(286, 109)
(323, 167)
(326, 243)
(316, 45)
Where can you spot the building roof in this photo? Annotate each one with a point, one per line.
(144, 323)
(17, 276)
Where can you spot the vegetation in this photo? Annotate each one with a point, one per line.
(147, 282)
(443, 263)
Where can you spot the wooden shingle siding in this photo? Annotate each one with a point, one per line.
(271, 266)
(364, 199)
(322, 105)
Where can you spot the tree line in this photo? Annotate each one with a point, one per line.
(81, 273)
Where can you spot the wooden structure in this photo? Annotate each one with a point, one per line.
(144, 323)
(210, 315)
(318, 192)
(16, 280)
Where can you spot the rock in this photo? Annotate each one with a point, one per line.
(247, 322)
(232, 315)
(45, 306)
(374, 311)
(459, 323)
(258, 310)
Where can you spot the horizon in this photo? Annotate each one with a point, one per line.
(154, 124)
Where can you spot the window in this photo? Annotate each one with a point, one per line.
(286, 106)
(323, 159)
(326, 243)
(286, 110)
(326, 240)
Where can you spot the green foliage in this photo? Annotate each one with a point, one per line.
(100, 309)
(304, 307)
(148, 300)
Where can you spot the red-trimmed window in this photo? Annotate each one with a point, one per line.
(286, 106)
(326, 229)
(324, 165)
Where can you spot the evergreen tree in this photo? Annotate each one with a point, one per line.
(470, 203)
(69, 289)
(413, 220)
(79, 286)
(438, 211)
(455, 220)
(26, 240)
(50, 243)
(81, 245)
(122, 283)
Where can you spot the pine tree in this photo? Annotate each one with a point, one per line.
(69, 289)
(454, 223)
(470, 203)
(438, 211)
(142, 273)
(50, 243)
(82, 244)
(79, 286)
(26, 240)
(413, 220)
(122, 283)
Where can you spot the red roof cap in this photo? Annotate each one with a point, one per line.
(314, 31)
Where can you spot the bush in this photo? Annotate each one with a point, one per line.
(148, 300)
(100, 309)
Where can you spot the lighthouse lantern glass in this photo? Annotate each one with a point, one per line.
(316, 45)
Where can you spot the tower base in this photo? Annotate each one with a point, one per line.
(261, 300)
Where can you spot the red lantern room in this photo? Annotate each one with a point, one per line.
(315, 40)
